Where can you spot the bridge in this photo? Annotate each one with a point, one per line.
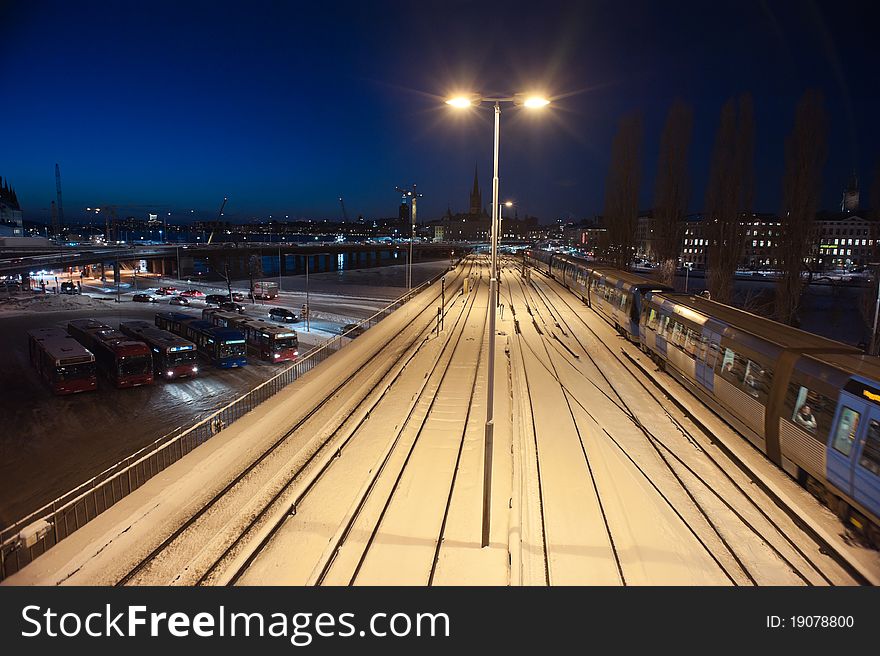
(183, 260)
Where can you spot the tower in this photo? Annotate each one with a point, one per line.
(850, 200)
(476, 206)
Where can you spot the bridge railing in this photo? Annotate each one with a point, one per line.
(32, 535)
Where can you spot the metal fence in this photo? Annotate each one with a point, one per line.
(31, 536)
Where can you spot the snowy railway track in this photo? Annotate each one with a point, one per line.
(174, 554)
(612, 487)
(273, 536)
(810, 566)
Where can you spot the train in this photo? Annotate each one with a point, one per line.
(810, 404)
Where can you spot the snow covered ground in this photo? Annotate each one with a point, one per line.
(369, 470)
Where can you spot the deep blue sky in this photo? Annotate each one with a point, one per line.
(284, 107)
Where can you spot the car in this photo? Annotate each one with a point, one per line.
(284, 315)
(143, 298)
(178, 300)
(69, 288)
(166, 291)
(191, 293)
(352, 330)
(216, 299)
(231, 306)
(237, 296)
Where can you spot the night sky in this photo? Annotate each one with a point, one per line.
(284, 107)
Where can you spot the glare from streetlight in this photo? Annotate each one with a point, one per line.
(534, 102)
(508, 203)
(460, 101)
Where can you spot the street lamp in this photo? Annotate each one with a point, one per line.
(531, 101)
(687, 271)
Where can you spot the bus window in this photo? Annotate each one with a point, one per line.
(870, 459)
(846, 431)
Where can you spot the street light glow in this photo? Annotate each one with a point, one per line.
(460, 101)
(534, 102)
(508, 203)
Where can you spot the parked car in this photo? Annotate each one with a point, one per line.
(216, 299)
(192, 293)
(166, 291)
(284, 315)
(352, 330)
(179, 300)
(143, 298)
(237, 296)
(231, 306)
(69, 288)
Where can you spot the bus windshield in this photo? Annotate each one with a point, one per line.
(75, 372)
(181, 357)
(134, 365)
(285, 342)
(226, 349)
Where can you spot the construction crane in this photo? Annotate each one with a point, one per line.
(344, 213)
(58, 194)
(219, 214)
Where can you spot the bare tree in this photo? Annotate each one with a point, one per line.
(622, 190)
(672, 188)
(729, 195)
(805, 152)
(870, 295)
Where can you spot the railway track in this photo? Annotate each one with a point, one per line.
(176, 553)
(809, 565)
(344, 556)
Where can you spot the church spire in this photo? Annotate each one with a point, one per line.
(476, 197)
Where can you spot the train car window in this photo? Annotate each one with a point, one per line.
(733, 367)
(811, 411)
(623, 301)
(870, 459)
(664, 325)
(652, 319)
(690, 345)
(845, 434)
(757, 381)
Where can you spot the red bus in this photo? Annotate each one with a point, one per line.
(272, 342)
(65, 364)
(125, 361)
(173, 356)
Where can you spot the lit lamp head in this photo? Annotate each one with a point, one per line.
(464, 100)
(531, 100)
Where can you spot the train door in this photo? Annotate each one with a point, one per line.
(866, 464)
(707, 354)
(850, 423)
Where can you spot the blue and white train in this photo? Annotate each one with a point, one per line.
(811, 404)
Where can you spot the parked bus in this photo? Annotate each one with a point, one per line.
(273, 343)
(125, 361)
(65, 364)
(264, 289)
(222, 346)
(173, 356)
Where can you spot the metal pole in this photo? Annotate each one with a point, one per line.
(308, 310)
(687, 273)
(412, 235)
(279, 269)
(178, 263)
(442, 300)
(493, 303)
(873, 350)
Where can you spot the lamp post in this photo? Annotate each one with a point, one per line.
(687, 272)
(531, 101)
(413, 194)
(874, 342)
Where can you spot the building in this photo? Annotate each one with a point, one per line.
(10, 210)
(843, 240)
(850, 200)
